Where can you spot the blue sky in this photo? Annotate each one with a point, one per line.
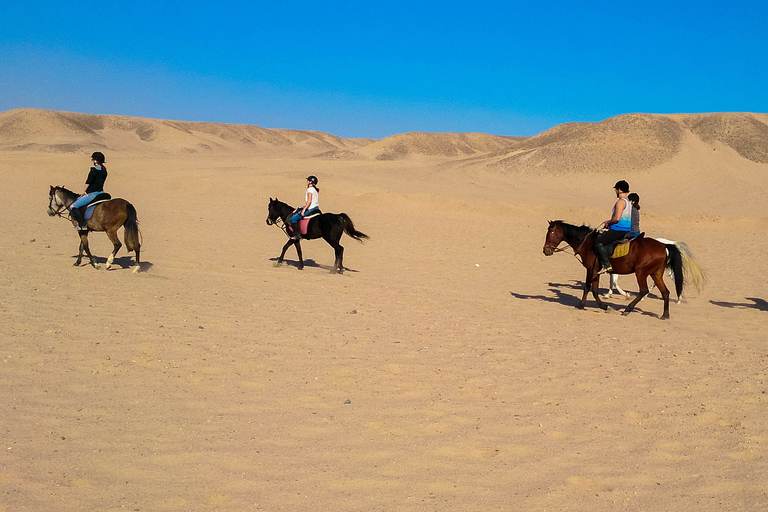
(372, 69)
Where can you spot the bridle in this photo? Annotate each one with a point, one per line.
(58, 211)
(279, 222)
(576, 254)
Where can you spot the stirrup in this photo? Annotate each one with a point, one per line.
(606, 270)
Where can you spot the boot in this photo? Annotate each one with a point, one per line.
(603, 255)
(77, 214)
(296, 231)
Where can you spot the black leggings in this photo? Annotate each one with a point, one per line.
(603, 242)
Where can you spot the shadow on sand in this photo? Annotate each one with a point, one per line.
(758, 304)
(310, 263)
(124, 262)
(566, 299)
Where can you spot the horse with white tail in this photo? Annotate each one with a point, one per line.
(695, 277)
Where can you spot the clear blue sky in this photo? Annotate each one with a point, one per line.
(366, 68)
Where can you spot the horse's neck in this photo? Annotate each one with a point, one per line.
(67, 197)
(287, 213)
(580, 244)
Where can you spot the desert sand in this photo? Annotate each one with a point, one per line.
(446, 369)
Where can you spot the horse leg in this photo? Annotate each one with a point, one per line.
(615, 283)
(338, 266)
(595, 292)
(84, 247)
(642, 283)
(298, 251)
(112, 234)
(279, 261)
(587, 281)
(658, 278)
(137, 266)
(79, 255)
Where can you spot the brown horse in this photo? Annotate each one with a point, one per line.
(647, 257)
(108, 216)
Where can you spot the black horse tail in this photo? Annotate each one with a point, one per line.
(675, 263)
(131, 225)
(349, 228)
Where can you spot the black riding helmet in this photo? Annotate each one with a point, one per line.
(312, 179)
(99, 157)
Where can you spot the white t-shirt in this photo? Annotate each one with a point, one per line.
(315, 199)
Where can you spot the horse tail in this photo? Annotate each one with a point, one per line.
(131, 225)
(675, 264)
(349, 228)
(693, 272)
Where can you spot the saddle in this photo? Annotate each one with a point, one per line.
(622, 246)
(304, 222)
(101, 198)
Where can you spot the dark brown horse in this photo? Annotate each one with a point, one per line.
(108, 216)
(328, 226)
(647, 257)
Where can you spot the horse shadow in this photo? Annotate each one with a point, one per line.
(758, 304)
(567, 299)
(124, 262)
(311, 263)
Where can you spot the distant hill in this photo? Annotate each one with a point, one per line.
(52, 131)
(624, 143)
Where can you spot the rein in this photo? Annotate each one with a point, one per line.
(575, 251)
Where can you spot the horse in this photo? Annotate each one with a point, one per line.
(614, 282)
(108, 216)
(328, 226)
(646, 257)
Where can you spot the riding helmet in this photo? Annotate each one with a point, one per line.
(622, 185)
(99, 157)
(312, 179)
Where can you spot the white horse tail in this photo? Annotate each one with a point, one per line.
(694, 275)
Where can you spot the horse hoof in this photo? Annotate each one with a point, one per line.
(277, 264)
(579, 306)
(625, 313)
(136, 269)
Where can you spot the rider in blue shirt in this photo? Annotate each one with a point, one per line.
(618, 226)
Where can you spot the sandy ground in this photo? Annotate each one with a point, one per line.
(447, 369)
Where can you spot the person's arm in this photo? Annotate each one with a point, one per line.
(618, 208)
(306, 205)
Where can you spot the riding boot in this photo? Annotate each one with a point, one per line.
(296, 231)
(603, 255)
(77, 214)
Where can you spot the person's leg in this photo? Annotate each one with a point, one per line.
(295, 226)
(604, 246)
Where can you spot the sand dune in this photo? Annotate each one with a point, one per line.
(43, 130)
(447, 369)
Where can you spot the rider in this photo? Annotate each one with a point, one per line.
(634, 200)
(94, 185)
(311, 205)
(618, 226)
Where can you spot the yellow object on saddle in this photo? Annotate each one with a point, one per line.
(621, 250)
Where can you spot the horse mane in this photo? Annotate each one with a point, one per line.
(281, 207)
(576, 233)
(66, 191)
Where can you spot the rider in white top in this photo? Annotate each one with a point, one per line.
(311, 205)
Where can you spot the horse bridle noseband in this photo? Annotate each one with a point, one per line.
(59, 211)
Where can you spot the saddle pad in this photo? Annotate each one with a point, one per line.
(303, 224)
(621, 250)
(89, 209)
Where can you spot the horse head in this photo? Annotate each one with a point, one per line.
(554, 237)
(55, 204)
(274, 210)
